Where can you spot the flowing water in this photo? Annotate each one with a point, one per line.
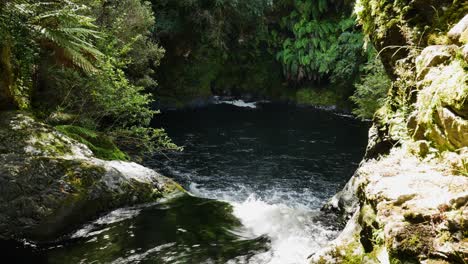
(258, 173)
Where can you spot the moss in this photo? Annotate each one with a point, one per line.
(351, 254)
(393, 122)
(445, 236)
(415, 217)
(438, 38)
(102, 146)
(82, 177)
(172, 188)
(369, 225)
(347, 254)
(436, 93)
(445, 91)
(414, 242)
(318, 97)
(367, 215)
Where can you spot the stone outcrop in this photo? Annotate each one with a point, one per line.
(406, 210)
(408, 201)
(50, 183)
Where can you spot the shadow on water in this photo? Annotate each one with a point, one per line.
(186, 229)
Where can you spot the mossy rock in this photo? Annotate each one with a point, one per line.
(413, 243)
(50, 183)
(102, 146)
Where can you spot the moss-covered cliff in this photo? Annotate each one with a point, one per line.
(408, 200)
(427, 105)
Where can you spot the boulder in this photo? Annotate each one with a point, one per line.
(433, 56)
(455, 127)
(408, 211)
(50, 184)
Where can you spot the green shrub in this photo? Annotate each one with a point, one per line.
(371, 90)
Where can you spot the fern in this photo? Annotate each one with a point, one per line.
(61, 24)
(322, 44)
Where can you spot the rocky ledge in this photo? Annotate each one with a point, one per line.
(404, 210)
(50, 183)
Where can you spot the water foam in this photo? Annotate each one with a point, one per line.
(291, 226)
(292, 231)
(238, 103)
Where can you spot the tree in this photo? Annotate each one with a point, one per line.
(29, 27)
(92, 65)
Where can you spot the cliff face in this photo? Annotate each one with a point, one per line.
(407, 202)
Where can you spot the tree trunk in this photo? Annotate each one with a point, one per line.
(7, 78)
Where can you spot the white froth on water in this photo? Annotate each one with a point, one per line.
(238, 103)
(112, 217)
(293, 233)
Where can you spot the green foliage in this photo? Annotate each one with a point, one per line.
(129, 26)
(214, 23)
(107, 98)
(371, 90)
(29, 27)
(102, 146)
(136, 140)
(230, 47)
(91, 59)
(214, 46)
(57, 25)
(318, 97)
(317, 43)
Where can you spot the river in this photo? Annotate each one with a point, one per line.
(258, 174)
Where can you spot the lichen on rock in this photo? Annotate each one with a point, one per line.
(50, 183)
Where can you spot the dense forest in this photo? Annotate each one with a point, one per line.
(101, 65)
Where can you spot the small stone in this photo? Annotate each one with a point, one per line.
(459, 201)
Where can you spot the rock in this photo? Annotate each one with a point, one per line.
(410, 192)
(415, 213)
(455, 127)
(379, 143)
(344, 202)
(50, 184)
(441, 109)
(432, 56)
(465, 53)
(459, 33)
